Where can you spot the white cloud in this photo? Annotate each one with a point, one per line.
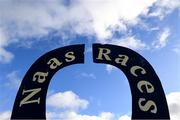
(173, 99)
(174, 105)
(176, 50)
(13, 80)
(110, 68)
(5, 115)
(154, 28)
(70, 102)
(3, 39)
(70, 115)
(125, 117)
(27, 19)
(164, 7)
(88, 75)
(67, 100)
(34, 18)
(5, 56)
(113, 14)
(130, 42)
(163, 39)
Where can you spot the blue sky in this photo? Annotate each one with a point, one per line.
(89, 91)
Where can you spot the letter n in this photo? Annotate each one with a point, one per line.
(31, 92)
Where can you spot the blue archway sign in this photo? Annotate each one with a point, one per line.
(148, 98)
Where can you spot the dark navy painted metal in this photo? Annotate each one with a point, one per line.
(135, 59)
(38, 111)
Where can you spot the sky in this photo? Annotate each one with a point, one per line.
(89, 91)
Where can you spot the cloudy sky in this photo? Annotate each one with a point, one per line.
(30, 28)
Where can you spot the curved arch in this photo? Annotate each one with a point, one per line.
(30, 102)
(148, 98)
